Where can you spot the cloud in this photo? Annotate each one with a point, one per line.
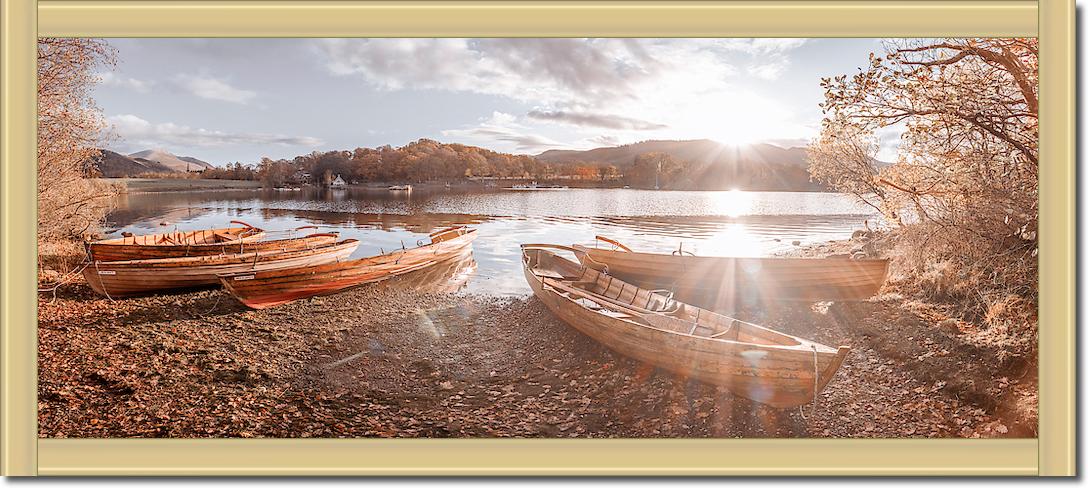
(768, 71)
(110, 78)
(605, 140)
(605, 121)
(622, 88)
(141, 133)
(762, 46)
(214, 89)
(770, 57)
(503, 128)
(556, 71)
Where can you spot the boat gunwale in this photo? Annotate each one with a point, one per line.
(224, 259)
(775, 259)
(358, 262)
(804, 345)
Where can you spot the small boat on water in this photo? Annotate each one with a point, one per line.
(263, 289)
(401, 188)
(145, 276)
(166, 244)
(754, 362)
(131, 248)
(720, 282)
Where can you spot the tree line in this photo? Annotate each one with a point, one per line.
(421, 161)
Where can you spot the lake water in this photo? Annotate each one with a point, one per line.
(711, 223)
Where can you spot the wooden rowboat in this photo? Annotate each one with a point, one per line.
(138, 251)
(723, 282)
(755, 362)
(143, 276)
(227, 240)
(263, 289)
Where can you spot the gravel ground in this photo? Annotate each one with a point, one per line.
(399, 360)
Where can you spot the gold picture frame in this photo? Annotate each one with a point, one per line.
(23, 453)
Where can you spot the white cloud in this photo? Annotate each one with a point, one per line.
(557, 72)
(110, 78)
(503, 128)
(633, 89)
(768, 71)
(763, 46)
(214, 89)
(607, 121)
(138, 132)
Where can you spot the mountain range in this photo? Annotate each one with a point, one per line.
(699, 151)
(701, 164)
(111, 164)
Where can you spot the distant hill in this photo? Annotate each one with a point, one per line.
(701, 151)
(708, 164)
(176, 163)
(113, 165)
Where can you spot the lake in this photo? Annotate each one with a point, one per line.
(711, 223)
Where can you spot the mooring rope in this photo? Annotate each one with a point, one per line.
(102, 282)
(815, 382)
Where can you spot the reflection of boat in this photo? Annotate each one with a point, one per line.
(445, 277)
(174, 244)
(401, 188)
(535, 186)
(107, 251)
(752, 361)
(268, 289)
(125, 278)
(718, 281)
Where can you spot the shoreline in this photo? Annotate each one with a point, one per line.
(399, 360)
(131, 185)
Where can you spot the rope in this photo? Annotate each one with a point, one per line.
(102, 282)
(218, 296)
(64, 279)
(815, 383)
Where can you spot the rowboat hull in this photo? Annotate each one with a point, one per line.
(722, 283)
(110, 251)
(141, 277)
(751, 361)
(265, 289)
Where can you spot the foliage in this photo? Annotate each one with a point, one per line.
(656, 170)
(968, 165)
(843, 157)
(69, 127)
(231, 171)
(420, 161)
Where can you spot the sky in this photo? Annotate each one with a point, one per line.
(227, 100)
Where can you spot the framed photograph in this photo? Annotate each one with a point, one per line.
(538, 238)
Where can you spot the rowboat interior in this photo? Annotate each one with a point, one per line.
(193, 237)
(605, 294)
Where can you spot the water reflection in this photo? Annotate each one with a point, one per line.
(446, 277)
(705, 223)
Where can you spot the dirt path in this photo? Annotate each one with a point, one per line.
(393, 361)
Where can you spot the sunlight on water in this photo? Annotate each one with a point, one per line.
(730, 223)
(733, 203)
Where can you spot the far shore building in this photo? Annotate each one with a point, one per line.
(338, 182)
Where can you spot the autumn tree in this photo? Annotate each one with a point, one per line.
(843, 157)
(655, 169)
(70, 128)
(968, 159)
